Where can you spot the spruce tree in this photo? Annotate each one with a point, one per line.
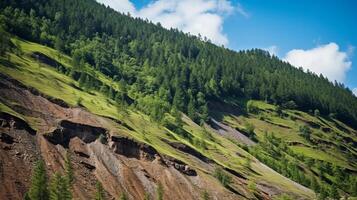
(68, 168)
(99, 195)
(160, 192)
(147, 196)
(191, 110)
(59, 188)
(123, 196)
(54, 190)
(38, 189)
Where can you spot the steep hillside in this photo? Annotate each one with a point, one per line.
(165, 116)
(139, 153)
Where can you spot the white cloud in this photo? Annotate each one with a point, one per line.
(354, 91)
(273, 50)
(204, 17)
(242, 11)
(327, 60)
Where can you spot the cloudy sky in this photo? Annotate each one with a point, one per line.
(318, 35)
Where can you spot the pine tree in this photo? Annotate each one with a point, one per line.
(179, 99)
(123, 196)
(178, 117)
(205, 115)
(38, 189)
(59, 188)
(160, 192)
(4, 41)
(68, 168)
(333, 193)
(191, 110)
(55, 188)
(147, 196)
(82, 79)
(99, 195)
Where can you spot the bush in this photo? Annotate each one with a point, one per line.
(252, 186)
(316, 112)
(305, 132)
(251, 108)
(289, 105)
(222, 176)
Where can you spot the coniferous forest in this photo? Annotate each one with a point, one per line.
(166, 68)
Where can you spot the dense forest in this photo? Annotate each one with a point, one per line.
(164, 68)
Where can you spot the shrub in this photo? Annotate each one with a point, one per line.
(222, 176)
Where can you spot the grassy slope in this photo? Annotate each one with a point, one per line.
(287, 128)
(47, 80)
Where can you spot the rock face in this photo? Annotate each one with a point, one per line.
(67, 130)
(132, 149)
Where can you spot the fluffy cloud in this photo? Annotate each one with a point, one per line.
(327, 60)
(354, 91)
(204, 17)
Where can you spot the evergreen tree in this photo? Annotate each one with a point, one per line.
(5, 43)
(205, 115)
(38, 189)
(178, 117)
(68, 168)
(99, 195)
(333, 193)
(191, 110)
(59, 188)
(305, 132)
(179, 99)
(123, 196)
(160, 192)
(147, 196)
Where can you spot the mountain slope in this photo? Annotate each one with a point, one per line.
(178, 113)
(28, 78)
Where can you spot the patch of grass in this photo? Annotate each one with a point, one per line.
(320, 155)
(4, 108)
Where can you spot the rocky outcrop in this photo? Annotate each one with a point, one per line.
(5, 138)
(179, 165)
(67, 130)
(12, 122)
(131, 148)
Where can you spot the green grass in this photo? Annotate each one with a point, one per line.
(287, 128)
(321, 155)
(4, 108)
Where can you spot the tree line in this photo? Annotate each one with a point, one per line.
(168, 68)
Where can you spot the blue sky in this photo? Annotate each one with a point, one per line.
(299, 24)
(319, 35)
